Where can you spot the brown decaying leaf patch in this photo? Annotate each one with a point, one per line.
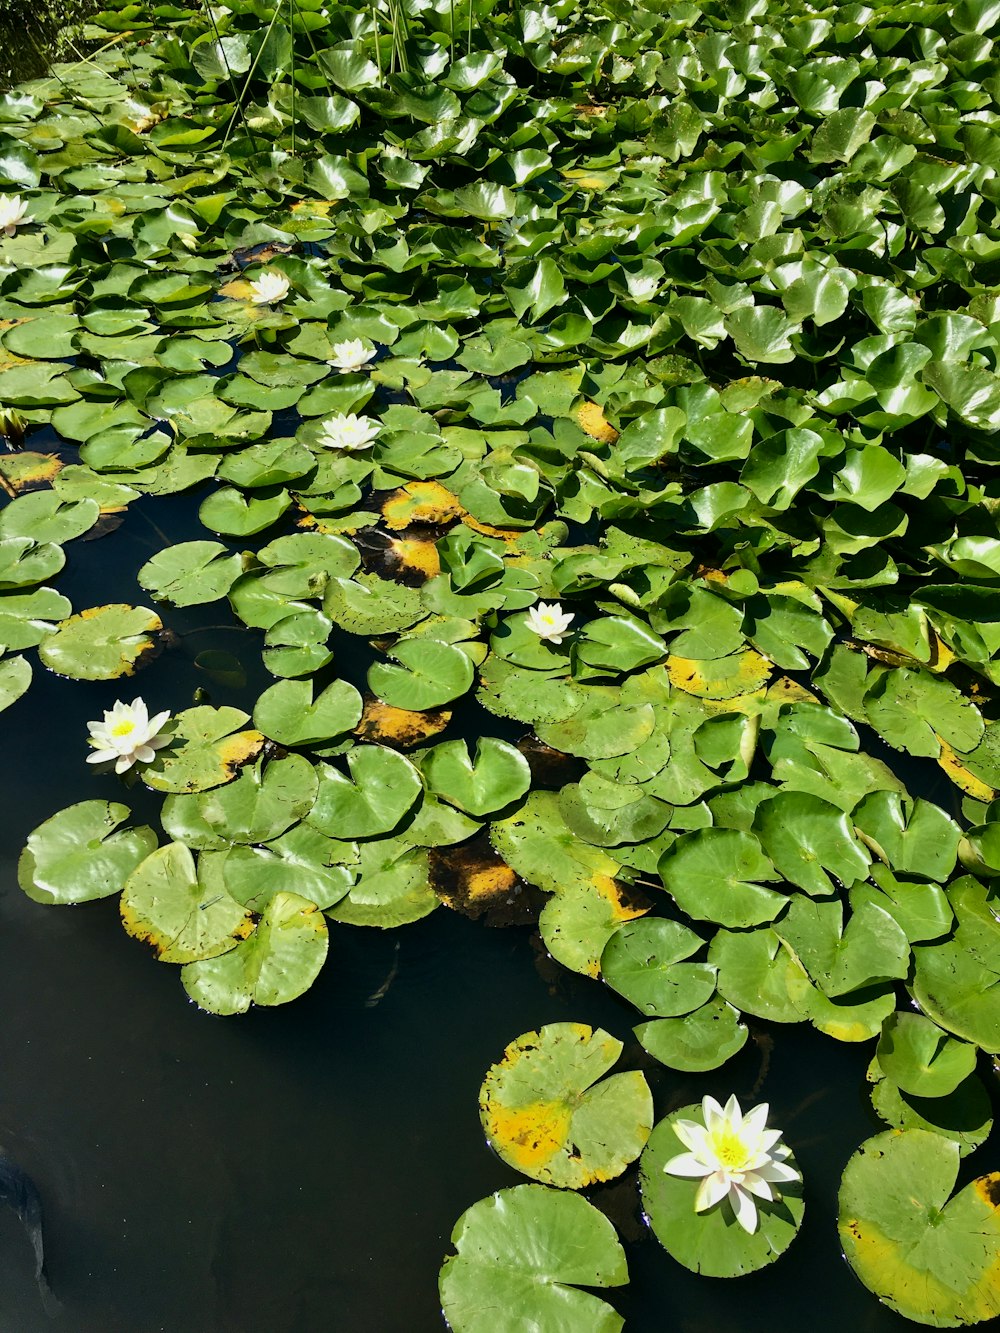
(503, 534)
(550, 769)
(399, 727)
(591, 419)
(28, 472)
(474, 880)
(425, 502)
(407, 558)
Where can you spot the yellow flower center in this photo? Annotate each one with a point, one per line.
(733, 1154)
(123, 728)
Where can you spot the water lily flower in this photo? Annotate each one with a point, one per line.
(270, 288)
(737, 1156)
(549, 621)
(13, 213)
(348, 432)
(128, 735)
(351, 355)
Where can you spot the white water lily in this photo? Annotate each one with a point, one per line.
(737, 1156)
(549, 621)
(351, 355)
(348, 432)
(270, 288)
(13, 213)
(128, 735)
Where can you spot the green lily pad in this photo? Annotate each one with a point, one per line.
(166, 904)
(102, 643)
(369, 605)
(190, 573)
(930, 1258)
(913, 837)
(392, 889)
(808, 839)
(703, 1039)
(711, 1243)
(920, 1058)
(206, 750)
(288, 713)
(276, 964)
(24, 562)
(259, 805)
(15, 679)
(711, 875)
(77, 855)
(429, 674)
(643, 961)
(522, 1256)
(547, 1115)
(496, 777)
(956, 981)
(964, 1114)
(302, 862)
(45, 516)
(28, 618)
(383, 786)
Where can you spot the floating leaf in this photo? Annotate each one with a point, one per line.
(381, 788)
(643, 961)
(522, 1256)
(703, 1039)
(288, 713)
(920, 1058)
(496, 777)
(711, 1243)
(166, 904)
(206, 750)
(190, 573)
(77, 855)
(547, 1115)
(276, 964)
(102, 643)
(930, 1258)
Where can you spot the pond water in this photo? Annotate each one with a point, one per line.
(301, 1169)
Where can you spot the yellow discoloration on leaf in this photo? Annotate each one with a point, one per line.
(319, 208)
(139, 928)
(414, 554)
(421, 502)
(400, 727)
(624, 906)
(27, 471)
(504, 534)
(237, 750)
(725, 678)
(8, 360)
(531, 1135)
(591, 419)
(988, 1189)
(960, 775)
(941, 655)
(787, 691)
(237, 288)
(152, 623)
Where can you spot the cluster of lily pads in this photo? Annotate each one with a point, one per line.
(632, 376)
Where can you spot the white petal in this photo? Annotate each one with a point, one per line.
(754, 1122)
(711, 1190)
(734, 1115)
(123, 762)
(714, 1115)
(692, 1135)
(144, 753)
(101, 756)
(744, 1208)
(686, 1164)
(756, 1184)
(777, 1171)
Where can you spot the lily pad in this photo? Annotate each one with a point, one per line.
(711, 1243)
(206, 750)
(930, 1258)
(276, 964)
(920, 1058)
(190, 573)
(383, 786)
(643, 961)
(703, 1039)
(522, 1256)
(82, 853)
(496, 777)
(102, 643)
(547, 1115)
(288, 713)
(166, 904)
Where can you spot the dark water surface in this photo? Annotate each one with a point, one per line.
(300, 1170)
